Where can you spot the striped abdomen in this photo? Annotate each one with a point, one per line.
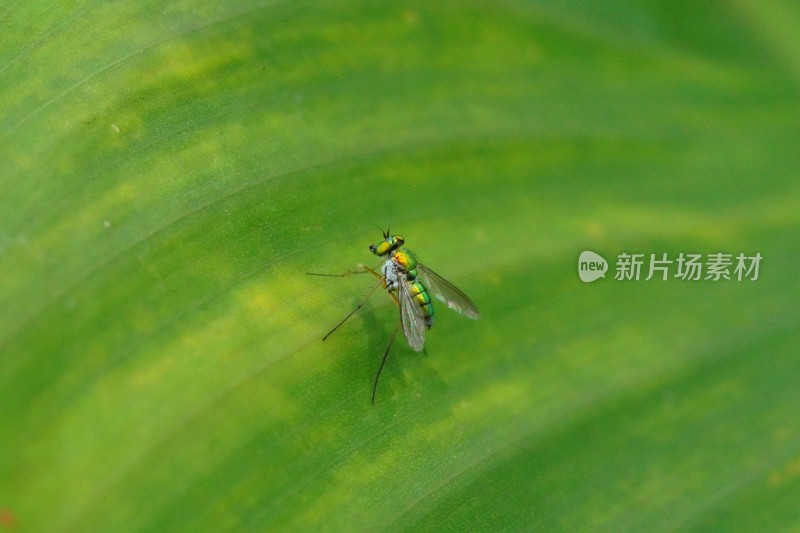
(421, 297)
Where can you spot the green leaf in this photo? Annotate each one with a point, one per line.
(170, 172)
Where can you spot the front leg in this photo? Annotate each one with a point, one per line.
(361, 269)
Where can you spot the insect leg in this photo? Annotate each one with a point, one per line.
(351, 313)
(383, 362)
(360, 270)
(342, 275)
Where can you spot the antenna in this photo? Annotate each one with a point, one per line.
(385, 233)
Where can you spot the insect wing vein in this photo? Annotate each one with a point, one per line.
(448, 293)
(411, 317)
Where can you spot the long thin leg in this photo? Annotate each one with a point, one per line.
(361, 270)
(383, 362)
(351, 313)
(345, 274)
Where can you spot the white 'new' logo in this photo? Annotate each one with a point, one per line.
(591, 266)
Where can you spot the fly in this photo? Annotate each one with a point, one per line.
(410, 284)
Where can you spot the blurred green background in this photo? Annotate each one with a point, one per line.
(169, 172)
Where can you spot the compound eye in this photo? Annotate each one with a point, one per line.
(399, 239)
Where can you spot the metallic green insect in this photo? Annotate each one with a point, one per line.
(410, 284)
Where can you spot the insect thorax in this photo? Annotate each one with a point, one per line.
(406, 261)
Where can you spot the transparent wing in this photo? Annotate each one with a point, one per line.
(447, 292)
(411, 317)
